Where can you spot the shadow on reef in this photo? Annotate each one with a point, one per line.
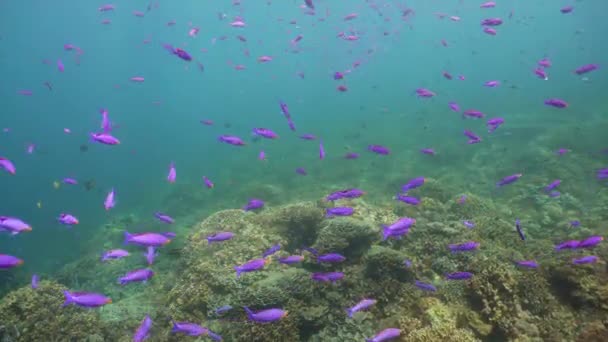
(557, 302)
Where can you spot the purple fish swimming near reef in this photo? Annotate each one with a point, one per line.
(292, 259)
(553, 185)
(231, 140)
(331, 258)
(147, 239)
(339, 211)
(379, 149)
(164, 218)
(527, 263)
(270, 251)
(110, 200)
(114, 254)
(86, 299)
(413, 184)
(13, 225)
(385, 335)
(321, 150)
(509, 179)
(253, 204)
(463, 247)
(35, 281)
(459, 276)
(347, 193)
(219, 237)
(363, 304)
(251, 266)
(425, 286)
(105, 138)
(265, 133)
(398, 228)
(143, 331)
(265, 316)
(150, 255)
(327, 276)
(9, 261)
(491, 22)
(570, 244)
(473, 138)
(589, 259)
(407, 199)
(137, 275)
(590, 242)
(557, 103)
(7, 165)
(494, 123)
(189, 329)
(67, 219)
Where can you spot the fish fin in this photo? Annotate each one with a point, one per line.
(350, 313)
(68, 298)
(248, 311)
(127, 237)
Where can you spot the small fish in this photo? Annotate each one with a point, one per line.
(492, 84)
(425, 93)
(60, 65)
(362, 305)
(7, 166)
(232, 140)
(570, 244)
(264, 59)
(265, 133)
(590, 242)
(114, 254)
(490, 31)
(331, 258)
(553, 185)
(321, 150)
(351, 155)
(462, 199)
(379, 149)
(208, 183)
(150, 255)
(301, 171)
(253, 204)
(557, 103)
(469, 224)
(347, 193)
(189, 329)
(178, 52)
(589, 259)
(223, 309)
(527, 263)
(491, 22)
(385, 335)
(586, 68)
(147, 239)
(251, 266)
(9, 261)
(541, 73)
(407, 199)
(397, 229)
(339, 211)
(509, 179)
(85, 299)
(105, 138)
(428, 151)
(308, 137)
(566, 9)
(459, 276)
(219, 237)
(574, 223)
(473, 113)
(270, 251)
(328, 277)
(110, 200)
(14, 225)
(35, 280)
(164, 218)
(172, 175)
(292, 259)
(463, 247)
(413, 184)
(473, 138)
(143, 331)
(494, 123)
(137, 275)
(489, 4)
(425, 286)
(265, 316)
(67, 219)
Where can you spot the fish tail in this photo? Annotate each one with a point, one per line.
(350, 313)
(127, 238)
(238, 271)
(385, 233)
(68, 298)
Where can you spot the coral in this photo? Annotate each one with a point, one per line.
(298, 223)
(474, 206)
(441, 324)
(383, 262)
(596, 331)
(348, 236)
(285, 330)
(37, 315)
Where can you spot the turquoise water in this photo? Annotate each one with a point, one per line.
(158, 120)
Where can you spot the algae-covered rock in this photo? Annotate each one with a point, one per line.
(37, 315)
(348, 236)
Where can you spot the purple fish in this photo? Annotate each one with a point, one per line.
(106, 125)
(265, 316)
(147, 239)
(586, 68)
(509, 179)
(110, 200)
(385, 335)
(347, 193)
(398, 228)
(321, 150)
(114, 254)
(338, 75)
(331, 258)
(339, 211)
(251, 266)
(379, 149)
(473, 113)
(489, 4)
(520, 231)
(351, 155)
(13, 225)
(301, 171)
(9, 261)
(494, 123)
(150, 254)
(459, 276)
(570, 244)
(454, 107)
(70, 181)
(590, 242)
(137, 275)
(491, 22)
(413, 184)
(362, 305)
(308, 137)
(85, 299)
(492, 84)
(265, 133)
(67, 219)
(327, 276)
(527, 263)
(35, 280)
(172, 175)
(541, 73)
(208, 183)
(7, 166)
(219, 237)
(190, 329)
(164, 218)
(553, 185)
(231, 139)
(178, 52)
(469, 224)
(566, 9)
(557, 103)
(425, 286)
(473, 138)
(490, 31)
(253, 204)
(270, 251)
(143, 330)
(423, 92)
(463, 247)
(589, 259)
(292, 259)
(105, 138)
(408, 199)
(285, 111)
(428, 151)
